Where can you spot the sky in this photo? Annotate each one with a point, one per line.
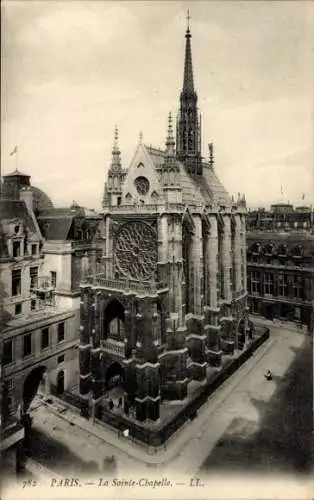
(72, 70)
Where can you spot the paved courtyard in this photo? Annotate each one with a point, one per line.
(271, 430)
(247, 423)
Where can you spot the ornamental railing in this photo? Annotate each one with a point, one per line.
(141, 287)
(114, 347)
(145, 207)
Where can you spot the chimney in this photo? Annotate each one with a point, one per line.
(26, 195)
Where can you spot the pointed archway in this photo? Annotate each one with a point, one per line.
(31, 385)
(113, 320)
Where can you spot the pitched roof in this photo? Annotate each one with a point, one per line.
(200, 189)
(16, 209)
(292, 239)
(55, 228)
(15, 173)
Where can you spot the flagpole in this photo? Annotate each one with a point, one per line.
(0, 180)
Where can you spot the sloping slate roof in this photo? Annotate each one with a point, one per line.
(306, 239)
(16, 209)
(55, 228)
(202, 189)
(219, 193)
(191, 192)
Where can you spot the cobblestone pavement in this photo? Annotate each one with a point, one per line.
(238, 398)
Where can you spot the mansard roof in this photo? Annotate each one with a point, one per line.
(291, 239)
(205, 189)
(16, 209)
(55, 228)
(55, 224)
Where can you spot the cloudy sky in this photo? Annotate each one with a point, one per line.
(72, 70)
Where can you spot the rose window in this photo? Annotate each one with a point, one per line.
(142, 185)
(136, 250)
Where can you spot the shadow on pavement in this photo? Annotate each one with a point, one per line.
(282, 440)
(56, 456)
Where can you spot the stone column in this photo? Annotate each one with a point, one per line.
(47, 384)
(147, 396)
(226, 258)
(227, 323)
(163, 239)
(212, 328)
(197, 257)
(243, 235)
(195, 321)
(84, 346)
(212, 260)
(238, 246)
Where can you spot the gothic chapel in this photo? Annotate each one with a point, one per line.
(168, 301)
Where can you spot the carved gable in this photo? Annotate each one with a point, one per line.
(141, 184)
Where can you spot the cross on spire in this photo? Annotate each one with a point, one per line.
(188, 20)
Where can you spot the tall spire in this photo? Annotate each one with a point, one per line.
(116, 158)
(188, 147)
(188, 85)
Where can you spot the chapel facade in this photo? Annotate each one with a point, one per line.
(169, 297)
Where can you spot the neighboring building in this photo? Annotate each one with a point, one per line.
(280, 264)
(14, 182)
(171, 299)
(70, 252)
(43, 259)
(281, 217)
(36, 335)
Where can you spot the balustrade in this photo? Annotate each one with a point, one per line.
(102, 281)
(113, 347)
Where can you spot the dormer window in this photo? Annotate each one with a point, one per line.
(282, 250)
(34, 249)
(255, 248)
(16, 229)
(298, 251)
(268, 249)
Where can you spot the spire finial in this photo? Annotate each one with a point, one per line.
(116, 133)
(140, 139)
(188, 69)
(170, 139)
(188, 20)
(116, 160)
(211, 153)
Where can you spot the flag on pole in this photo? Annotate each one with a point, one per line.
(281, 191)
(13, 152)
(303, 196)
